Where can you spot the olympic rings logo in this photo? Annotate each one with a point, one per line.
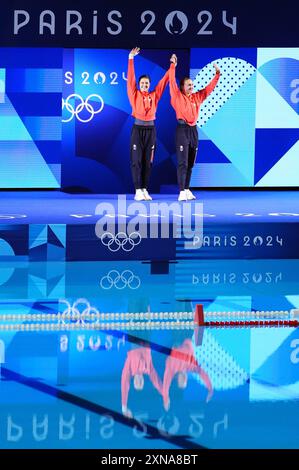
(84, 104)
(121, 241)
(120, 280)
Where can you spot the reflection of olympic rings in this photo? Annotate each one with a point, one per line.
(84, 104)
(120, 280)
(73, 310)
(121, 240)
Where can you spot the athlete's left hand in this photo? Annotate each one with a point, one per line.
(174, 59)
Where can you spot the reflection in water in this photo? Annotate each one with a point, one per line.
(226, 369)
(138, 362)
(54, 396)
(162, 379)
(131, 286)
(181, 361)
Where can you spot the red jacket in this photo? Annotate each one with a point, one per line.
(139, 361)
(182, 359)
(144, 104)
(187, 107)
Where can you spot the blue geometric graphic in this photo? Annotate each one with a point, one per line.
(30, 118)
(238, 146)
(47, 242)
(252, 116)
(282, 74)
(209, 153)
(274, 143)
(271, 371)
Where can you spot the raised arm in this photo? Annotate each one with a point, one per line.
(205, 92)
(193, 366)
(155, 379)
(167, 379)
(206, 380)
(131, 82)
(125, 384)
(174, 89)
(162, 85)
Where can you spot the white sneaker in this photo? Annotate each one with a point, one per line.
(182, 196)
(147, 197)
(139, 196)
(190, 195)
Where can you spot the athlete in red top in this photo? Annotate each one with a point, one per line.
(180, 361)
(187, 105)
(138, 363)
(143, 138)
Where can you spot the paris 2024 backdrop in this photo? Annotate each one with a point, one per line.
(66, 119)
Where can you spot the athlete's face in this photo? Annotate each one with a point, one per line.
(182, 379)
(144, 84)
(138, 382)
(188, 86)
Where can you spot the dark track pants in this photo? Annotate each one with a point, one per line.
(186, 143)
(143, 144)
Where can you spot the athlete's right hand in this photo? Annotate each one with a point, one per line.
(134, 52)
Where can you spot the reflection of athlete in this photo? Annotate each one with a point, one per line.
(138, 362)
(186, 105)
(180, 361)
(143, 137)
